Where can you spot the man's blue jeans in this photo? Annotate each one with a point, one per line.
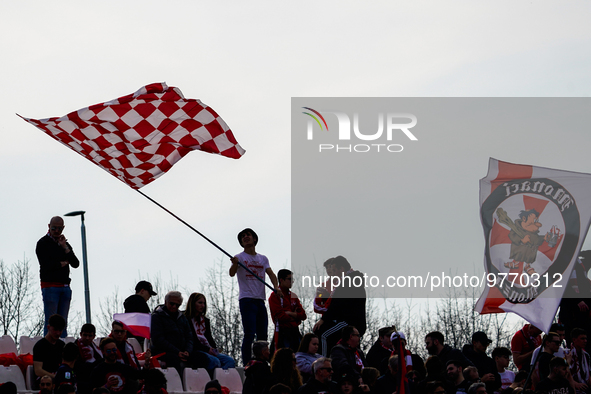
(254, 322)
(56, 300)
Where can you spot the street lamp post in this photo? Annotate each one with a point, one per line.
(84, 262)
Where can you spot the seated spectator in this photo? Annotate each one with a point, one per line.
(435, 373)
(471, 375)
(205, 350)
(518, 383)
(502, 356)
(46, 385)
(455, 376)
(47, 352)
(89, 356)
(347, 384)
(556, 381)
(125, 352)
(477, 388)
(279, 388)
(213, 387)
(370, 376)
(171, 332)
(284, 370)
(322, 380)
(154, 382)
(579, 361)
(381, 350)
(347, 358)
(487, 369)
(65, 373)
(558, 329)
(435, 387)
(306, 355)
(8, 388)
(550, 345)
(390, 381)
(257, 371)
(115, 376)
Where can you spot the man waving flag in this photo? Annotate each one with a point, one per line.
(535, 221)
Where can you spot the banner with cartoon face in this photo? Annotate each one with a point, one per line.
(535, 221)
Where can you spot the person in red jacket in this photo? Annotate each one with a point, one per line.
(287, 314)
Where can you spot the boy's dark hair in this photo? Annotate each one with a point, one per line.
(280, 388)
(283, 273)
(437, 336)
(501, 351)
(557, 362)
(57, 322)
(341, 262)
(555, 327)
(154, 378)
(328, 262)
(66, 389)
(246, 231)
(257, 348)
(89, 328)
(346, 333)
(520, 376)
(386, 331)
(70, 352)
(577, 332)
(106, 341)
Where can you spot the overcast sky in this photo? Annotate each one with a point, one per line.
(247, 60)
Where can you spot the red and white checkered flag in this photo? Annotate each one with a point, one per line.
(139, 137)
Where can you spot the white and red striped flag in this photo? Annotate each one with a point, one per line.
(535, 221)
(136, 323)
(139, 137)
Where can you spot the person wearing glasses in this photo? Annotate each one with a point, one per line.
(55, 257)
(126, 353)
(322, 380)
(550, 345)
(171, 332)
(112, 375)
(347, 357)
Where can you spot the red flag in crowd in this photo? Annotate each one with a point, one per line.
(139, 137)
(137, 324)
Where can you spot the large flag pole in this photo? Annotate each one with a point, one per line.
(207, 239)
(140, 136)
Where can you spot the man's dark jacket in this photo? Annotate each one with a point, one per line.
(484, 364)
(170, 334)
(378, 357)
(343, 361)
(347, 303)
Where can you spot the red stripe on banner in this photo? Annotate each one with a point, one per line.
(534, 203)
(493, 301)
(499, 235)
(139, 331)
(509, 171)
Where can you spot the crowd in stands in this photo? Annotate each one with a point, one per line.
(328, 360)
